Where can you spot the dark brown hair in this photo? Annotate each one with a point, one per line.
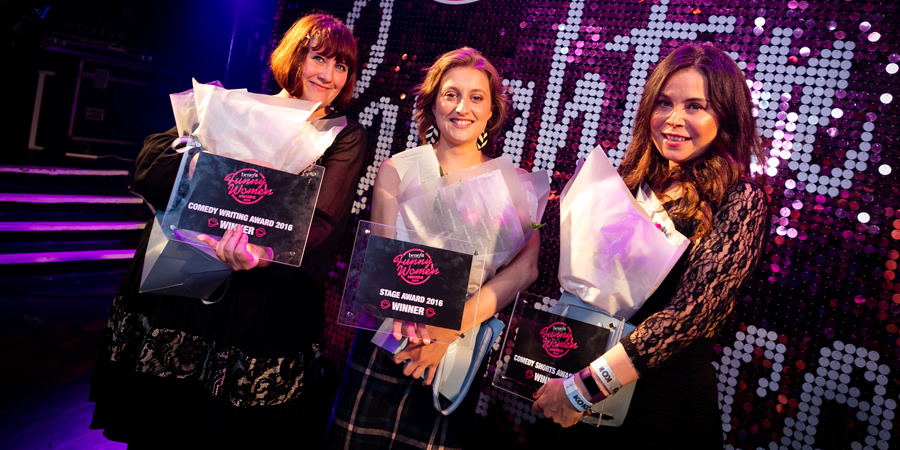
(321, 33)
(427, 92)
(706, 180)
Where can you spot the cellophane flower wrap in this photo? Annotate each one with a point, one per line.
(493, 205)
(255, 128)
(614, 249)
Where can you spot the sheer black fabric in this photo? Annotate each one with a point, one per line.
(675, 402)
(697, 296)
(242, 371)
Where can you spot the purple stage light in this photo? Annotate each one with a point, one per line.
(59, 198)
(54, 257)
(36, 170)
(71, 226)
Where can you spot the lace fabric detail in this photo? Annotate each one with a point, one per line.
(715, 269)
(245, 381)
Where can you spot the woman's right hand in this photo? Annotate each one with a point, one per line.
(551, 399)
(424, 357)
(415, 332)
(236, 250)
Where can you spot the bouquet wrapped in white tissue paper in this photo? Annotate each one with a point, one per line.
(615, 250)
(212, 194)
(255, 128)
(494, 207)
(491, 204)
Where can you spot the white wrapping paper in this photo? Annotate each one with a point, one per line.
(254, 127)
(612, 254)
(491, 204)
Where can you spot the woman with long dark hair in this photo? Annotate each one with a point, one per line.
(694, 140)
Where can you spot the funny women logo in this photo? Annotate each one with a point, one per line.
(415, 266)
(557, 339)
(247, 186)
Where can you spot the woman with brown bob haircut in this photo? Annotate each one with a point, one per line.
(322, 34)
(694, 140)
(383, 401)
(242, 371)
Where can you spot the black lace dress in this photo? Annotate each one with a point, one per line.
(675, 403)
(175, 372)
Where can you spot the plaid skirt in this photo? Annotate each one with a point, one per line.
(380, 407)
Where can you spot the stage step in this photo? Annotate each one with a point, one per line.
(59, 225)
(60, 198)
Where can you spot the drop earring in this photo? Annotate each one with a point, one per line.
(482, 139)
(432, 135)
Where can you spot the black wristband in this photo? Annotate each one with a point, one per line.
(589, 382)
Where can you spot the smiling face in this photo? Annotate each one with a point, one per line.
(682, 124)
(462, 107)
(323, 79)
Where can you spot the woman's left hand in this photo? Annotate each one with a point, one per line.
(236, 250)
(424, 358)
(551, 399)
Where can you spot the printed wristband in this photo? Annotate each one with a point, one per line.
(580, 403)
(606, 375)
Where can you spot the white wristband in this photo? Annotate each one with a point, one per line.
(580, 403)
(606, 375)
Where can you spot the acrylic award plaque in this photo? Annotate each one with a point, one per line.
(274, 208)
(552, 340)
(410, 277)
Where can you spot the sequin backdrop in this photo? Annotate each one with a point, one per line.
(810, 355)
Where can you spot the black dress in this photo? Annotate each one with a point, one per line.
(174, 372)
(675, 402)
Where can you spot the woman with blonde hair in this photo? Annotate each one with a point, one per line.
(382, 403)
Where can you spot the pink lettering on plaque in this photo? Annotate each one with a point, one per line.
(247, 186)
(557, 339)
(415, 266)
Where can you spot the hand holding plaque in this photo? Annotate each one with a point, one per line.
(553, 393)
(549, 341)
(274, 209)
(421, 359)
(402, 287)
(235, 250)
(414, 331)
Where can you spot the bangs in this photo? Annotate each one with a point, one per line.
(335, 43)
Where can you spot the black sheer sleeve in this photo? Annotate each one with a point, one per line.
(715, 269)
(156, 168)
(343, 162)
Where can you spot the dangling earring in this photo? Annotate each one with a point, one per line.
(432, 135)
(482, 139)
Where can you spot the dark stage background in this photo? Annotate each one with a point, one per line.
(810, 355)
